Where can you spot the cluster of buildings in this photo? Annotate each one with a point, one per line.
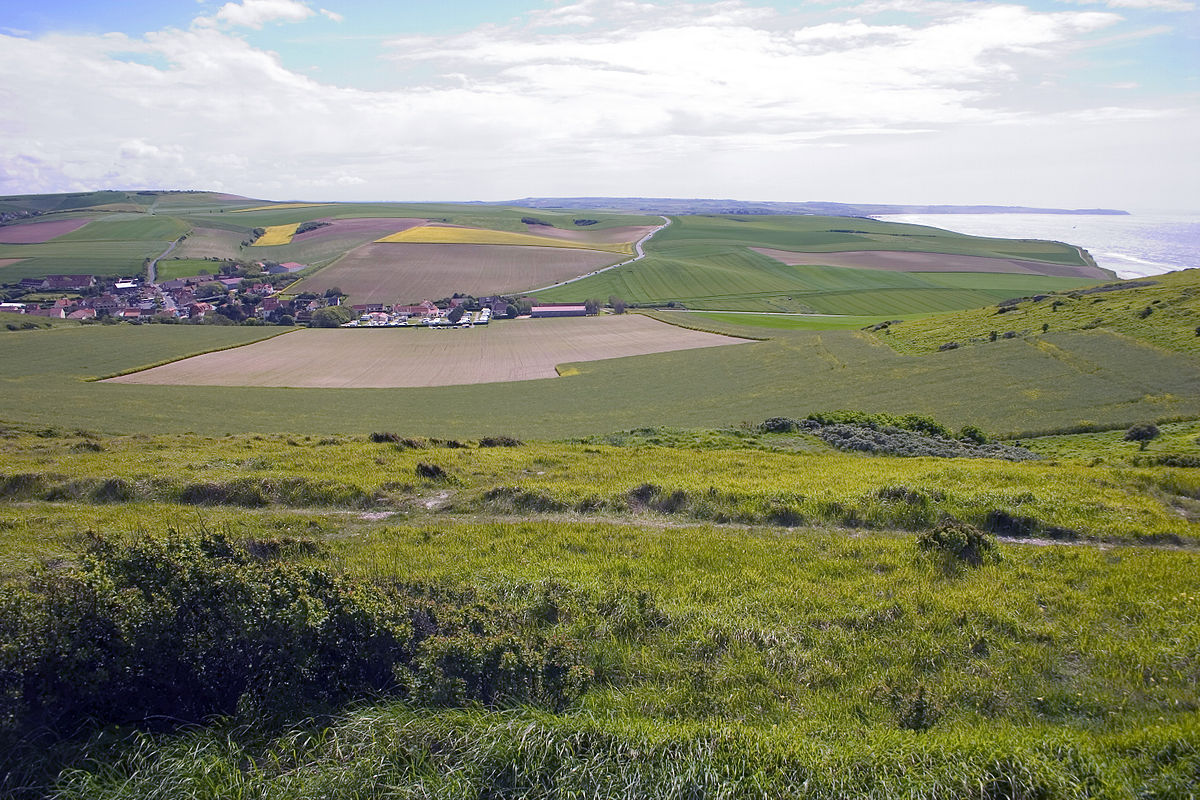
(87, 297)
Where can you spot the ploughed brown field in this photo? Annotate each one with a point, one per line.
(899, 261)
(509, 350)
(377, 226)
(39, 232)
(411, 272)
(8, 262)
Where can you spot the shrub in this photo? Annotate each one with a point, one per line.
(779, 425)
(973, 433)
(1142, 433)
(329, 317)
(379, 437)
(957, 540)
(171, 631)
(500, 441)
(430, 472)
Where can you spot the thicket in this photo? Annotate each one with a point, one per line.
(175, 631)
(899, 435)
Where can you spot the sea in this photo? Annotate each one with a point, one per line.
(1133, 246)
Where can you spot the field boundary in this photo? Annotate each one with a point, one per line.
(697, 327)
(173, 359)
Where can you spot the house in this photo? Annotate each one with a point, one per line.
(126, 287)
(371, 308)
(66, 283)
(198, 310)
(54, 312)
(426, 309)
(83, 313)
(558, 310)
(12, 308)
(107, 303)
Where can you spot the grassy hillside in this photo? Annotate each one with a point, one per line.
(745, 657)
(1163, 311)
(707, 263)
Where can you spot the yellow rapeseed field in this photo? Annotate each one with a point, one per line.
(277, 206)
(277, 234)
(431, 234)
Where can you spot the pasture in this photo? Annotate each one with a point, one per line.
(902, 261)
(516, 350)
(204, 242)
(172, 268)
(415, 272)
(739, 279)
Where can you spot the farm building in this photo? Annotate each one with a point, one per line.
(559, 310)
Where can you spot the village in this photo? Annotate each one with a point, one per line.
(250, 297)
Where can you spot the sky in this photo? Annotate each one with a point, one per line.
(1061, 103)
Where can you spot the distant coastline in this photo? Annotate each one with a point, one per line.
(673, 205)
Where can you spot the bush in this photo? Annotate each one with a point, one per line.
(329, 317)
(973, 433)
(164, 632)
(430, 472)
(957, 540)
(1142, 433)
(500, 441)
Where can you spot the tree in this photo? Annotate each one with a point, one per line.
(333, 291)
(618, 305)
(329, 317)
(1142, 433)
(592, 307)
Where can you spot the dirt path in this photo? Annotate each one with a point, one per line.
(639, 254)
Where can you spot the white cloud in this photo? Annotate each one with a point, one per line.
(597, 96)
(333, 15)
(1143, 5)
(256, 13)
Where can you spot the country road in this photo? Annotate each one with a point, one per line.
(637, 249)
(152, 268)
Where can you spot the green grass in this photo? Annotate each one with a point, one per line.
(171, 268)
(1173, 301)
(115, 244)
(1059, 381)
(1175, 439)
(706, 263)
(797, 322)
(756, 659)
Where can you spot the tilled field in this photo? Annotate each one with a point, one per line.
(513, 350)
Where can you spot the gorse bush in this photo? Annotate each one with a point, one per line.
(957, 540)
(172, 631)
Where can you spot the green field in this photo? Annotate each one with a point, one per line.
(706, 263)
(171, 268)
(741, 657)
(1051, 382)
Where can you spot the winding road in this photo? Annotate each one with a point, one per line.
(639, 251)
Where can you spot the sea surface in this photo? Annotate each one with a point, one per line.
(1133, 246)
